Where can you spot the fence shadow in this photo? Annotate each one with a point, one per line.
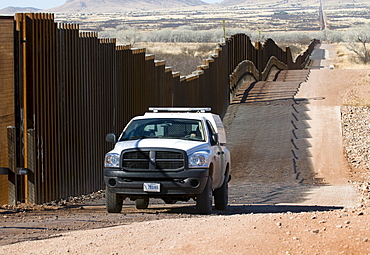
(268, 137)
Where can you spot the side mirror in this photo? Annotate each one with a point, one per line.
(112, 138)
(23, 171)
(215, 138)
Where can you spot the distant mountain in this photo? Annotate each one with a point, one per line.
(284, 3)
(232, 2)
(106, 6)
(11, 10)
(273, 2)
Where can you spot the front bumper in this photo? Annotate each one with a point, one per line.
(183, 183)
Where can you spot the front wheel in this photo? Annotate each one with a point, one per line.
(222, 195)
(204, 199)
(170, 201)
(113, 202)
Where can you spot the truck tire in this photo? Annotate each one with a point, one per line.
(170, 201)
(113, 202)
(142, 203)
(222, 195)
(204, 199)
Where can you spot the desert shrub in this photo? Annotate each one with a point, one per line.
(331, 36)
(358, 42)
(296, 49)
(108, 33)
(182, 63)
(206, 49)
(129, 35)
(289, 37)
(187, 60)
(124, 34)
(181, 35)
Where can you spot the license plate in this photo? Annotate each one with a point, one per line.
(152, 187)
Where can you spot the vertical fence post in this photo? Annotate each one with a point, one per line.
(22, 21)
(259, 65)
(8, 37)
(12, 176)
(30, 192)
(289, 60)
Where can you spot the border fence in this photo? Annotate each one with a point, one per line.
(62, 91)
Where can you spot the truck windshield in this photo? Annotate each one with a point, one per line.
(174, 128)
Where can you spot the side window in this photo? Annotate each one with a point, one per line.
(211, 131)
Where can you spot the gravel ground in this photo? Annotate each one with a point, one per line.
(356, 136)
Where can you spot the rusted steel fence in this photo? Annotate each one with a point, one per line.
(7, 104)
(63, 90)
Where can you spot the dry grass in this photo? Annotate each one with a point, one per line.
(181, 57)
(358, 92)
(347, 59)
(176, 48)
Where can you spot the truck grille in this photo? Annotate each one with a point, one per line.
(153, 160)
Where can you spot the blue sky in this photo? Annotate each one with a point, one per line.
(46, 4)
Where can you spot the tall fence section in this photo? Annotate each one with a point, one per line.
(63, 90)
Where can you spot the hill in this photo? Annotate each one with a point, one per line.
(11, 10)
(268, 2)
(292, 3)
(109, 6)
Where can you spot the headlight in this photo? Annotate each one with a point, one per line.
(111, 160)
(199, 159)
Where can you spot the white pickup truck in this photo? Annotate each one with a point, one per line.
(175, 154)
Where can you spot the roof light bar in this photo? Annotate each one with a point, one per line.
(179, 109)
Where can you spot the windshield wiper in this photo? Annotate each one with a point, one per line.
(138, 137)
(134, 137)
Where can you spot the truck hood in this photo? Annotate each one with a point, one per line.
(186, 145)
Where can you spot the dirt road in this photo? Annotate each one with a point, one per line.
(290, 192)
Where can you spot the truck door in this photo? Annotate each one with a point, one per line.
(218, 158)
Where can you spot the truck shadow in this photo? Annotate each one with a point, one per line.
(253, 209)
(245, 209)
